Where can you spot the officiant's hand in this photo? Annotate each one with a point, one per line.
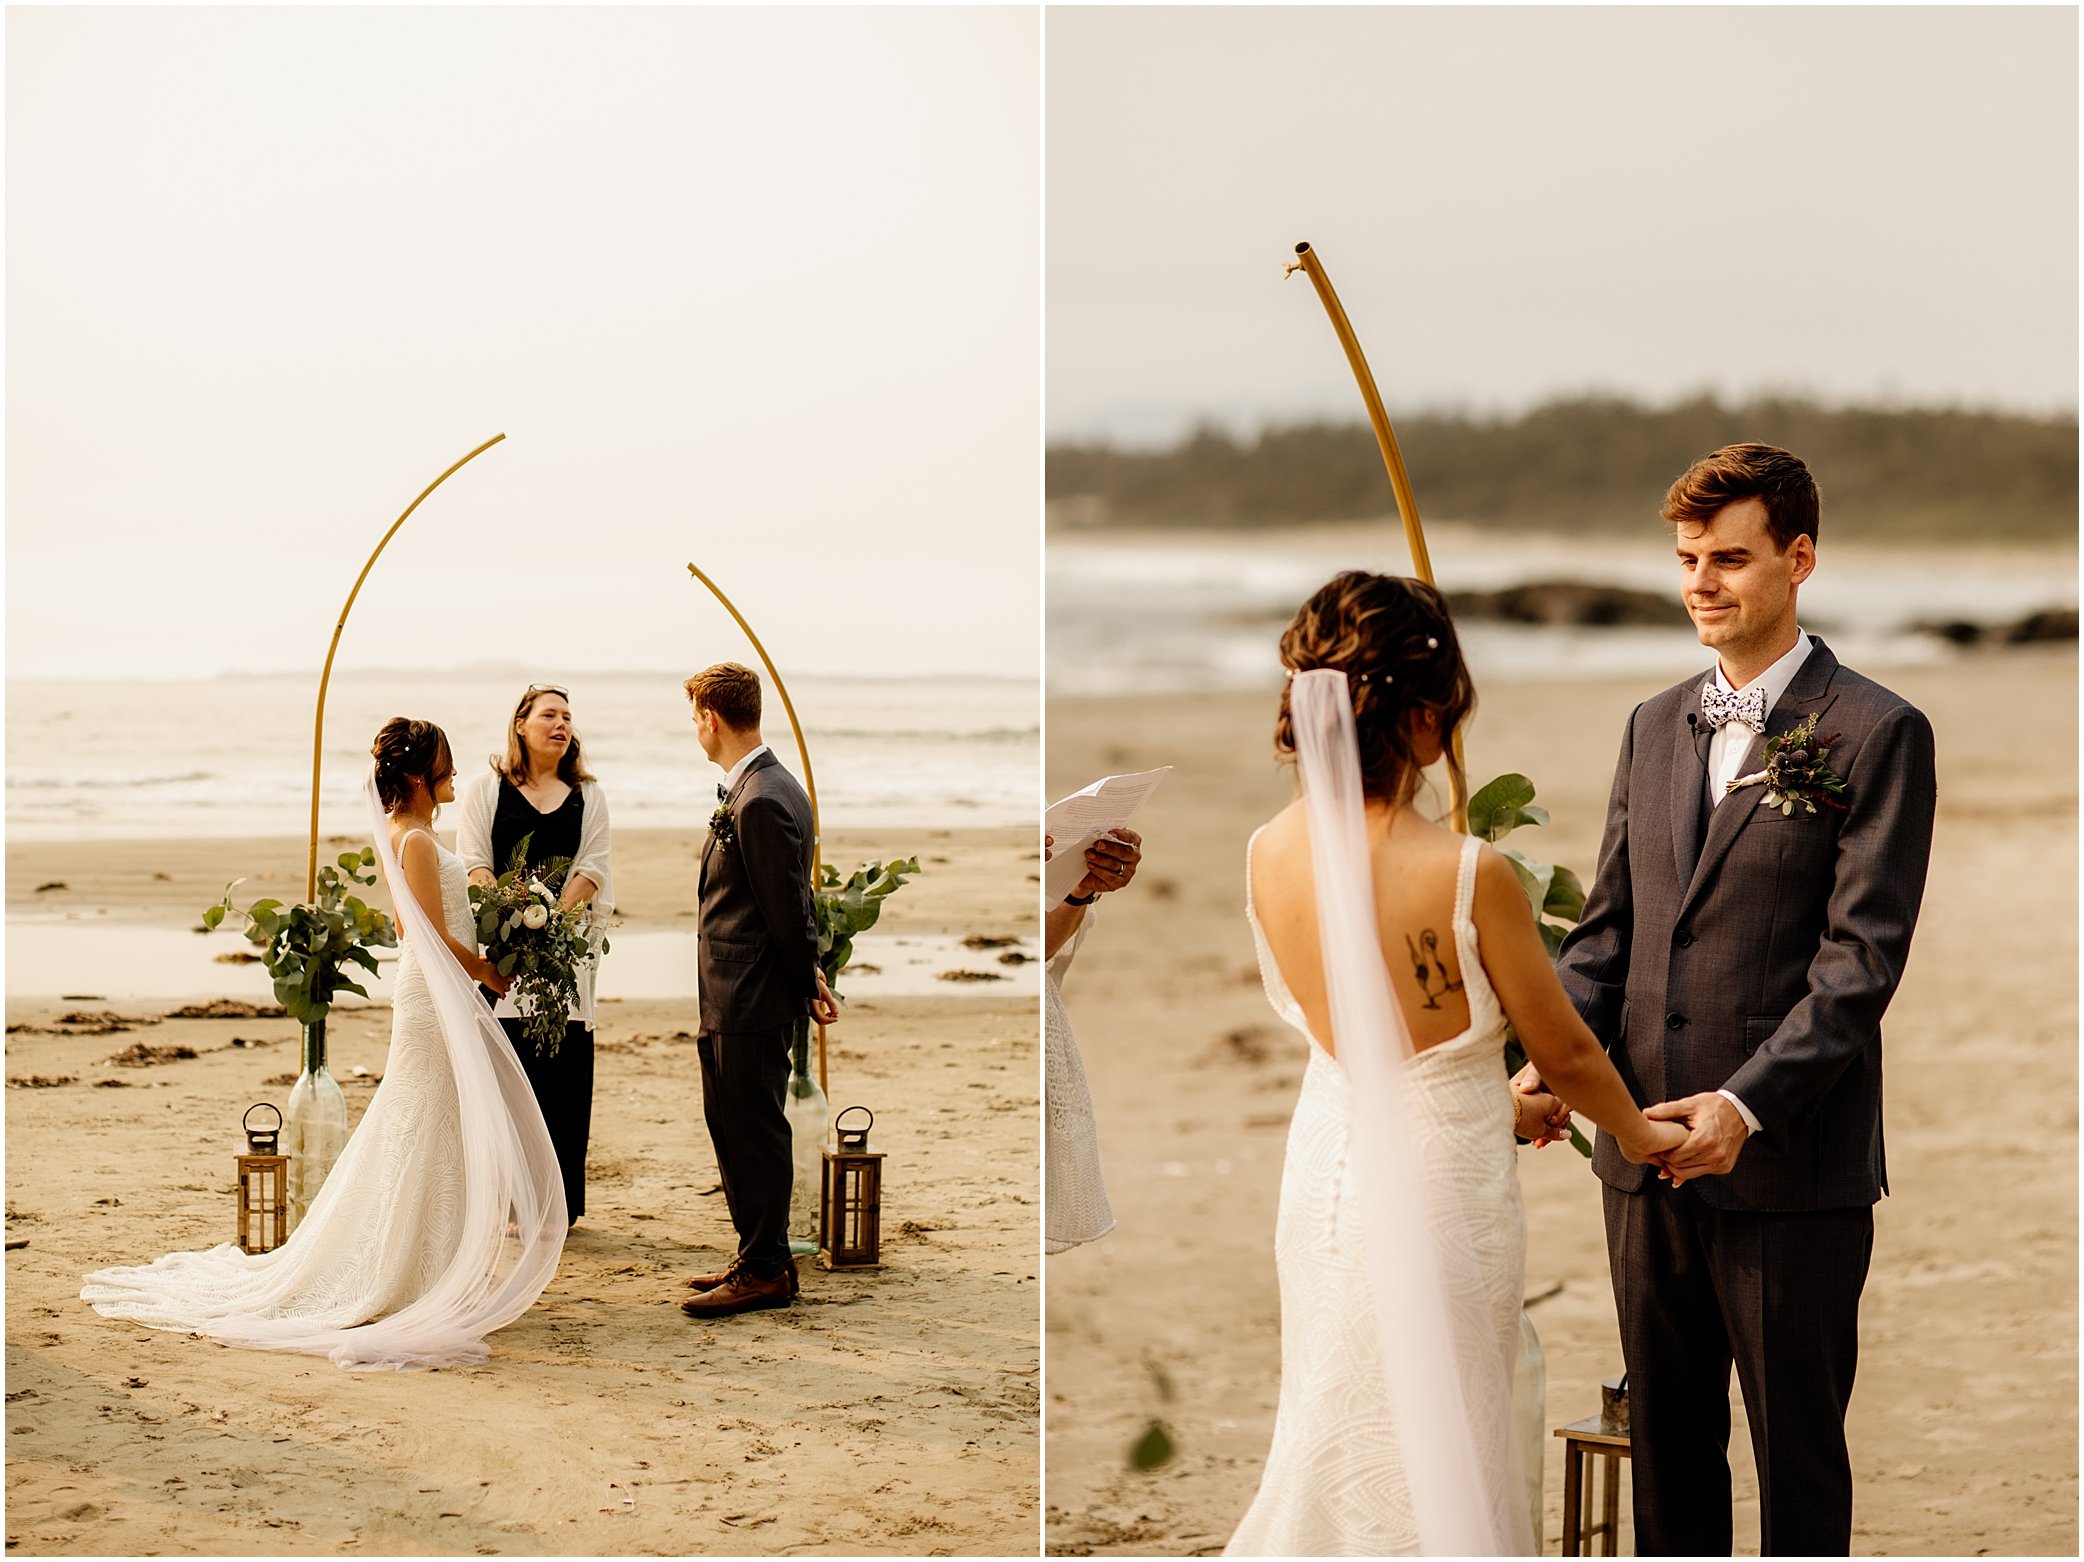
(824, 1008)
(1716, 1133)
(1110, 862)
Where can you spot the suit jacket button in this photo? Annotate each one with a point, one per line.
(1682, 938)
(1674, 1021)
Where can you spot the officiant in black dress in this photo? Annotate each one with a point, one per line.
(539, 792)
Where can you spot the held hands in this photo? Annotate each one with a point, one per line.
(1543, 1118)
(1661, 1141)
(1696, 1136)
(824, 1008)
(1716, 1134)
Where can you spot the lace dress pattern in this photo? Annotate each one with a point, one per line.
(384, 1227)
(1334, 1483)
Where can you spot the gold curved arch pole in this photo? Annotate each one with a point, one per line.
(318, 723)
(810, 783)
(1392, 458)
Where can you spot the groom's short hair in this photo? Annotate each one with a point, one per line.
(728, 692)
(1734, 473)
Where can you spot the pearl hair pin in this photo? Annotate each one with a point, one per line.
(1387, 678)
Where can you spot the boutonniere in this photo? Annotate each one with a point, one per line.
(721, 829)
(1798, 772)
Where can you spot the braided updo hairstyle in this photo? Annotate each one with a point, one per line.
(407, 751)
(1392, 638)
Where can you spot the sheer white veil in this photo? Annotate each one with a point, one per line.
(1459, 1474)
(512, 1199)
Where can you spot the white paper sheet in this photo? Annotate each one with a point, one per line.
(1077, 821)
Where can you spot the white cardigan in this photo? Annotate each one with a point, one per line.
(479, 801)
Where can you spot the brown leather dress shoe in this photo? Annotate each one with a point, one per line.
(742, 1293)
(711, 1282)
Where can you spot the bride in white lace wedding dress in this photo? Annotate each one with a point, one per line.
(444, 1216)
(1401, 1242)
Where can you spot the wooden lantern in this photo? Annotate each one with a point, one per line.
(263, 1185)
(850, 1198)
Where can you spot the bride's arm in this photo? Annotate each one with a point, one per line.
(1558, 1043)
(423, 882)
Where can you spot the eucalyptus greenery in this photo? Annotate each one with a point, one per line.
(849, 907)
(529, 938)
(306, 948)
(1555, 893)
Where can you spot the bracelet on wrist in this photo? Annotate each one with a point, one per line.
(1081, 900)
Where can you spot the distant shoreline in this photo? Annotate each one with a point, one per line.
(1386, 529)
(1590, 465)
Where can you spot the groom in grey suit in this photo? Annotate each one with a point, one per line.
(758, 973)
(1736, 960)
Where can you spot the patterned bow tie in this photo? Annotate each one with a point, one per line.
(1748, 706)
(722, 795)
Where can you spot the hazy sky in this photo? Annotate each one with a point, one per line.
(757, 289)
(1855, 202)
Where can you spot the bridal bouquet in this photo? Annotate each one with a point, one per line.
(530, 938)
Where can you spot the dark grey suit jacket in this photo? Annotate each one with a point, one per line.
(1760, 958)
(759, 934)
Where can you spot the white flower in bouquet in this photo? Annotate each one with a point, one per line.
(535, 916)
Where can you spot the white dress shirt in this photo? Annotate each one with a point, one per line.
(737, 770)
(1733, 740)
(1731, 745)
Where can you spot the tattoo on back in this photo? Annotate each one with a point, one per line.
(1426, 963)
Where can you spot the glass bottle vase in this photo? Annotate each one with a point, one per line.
(314, 1128)
(807, 1111)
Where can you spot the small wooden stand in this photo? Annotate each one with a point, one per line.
(1583, 1441)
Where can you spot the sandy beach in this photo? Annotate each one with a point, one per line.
(1963, 1423)
(888, 1412)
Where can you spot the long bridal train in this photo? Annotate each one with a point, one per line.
(444, 1217)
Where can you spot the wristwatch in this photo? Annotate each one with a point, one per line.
(1081, 900)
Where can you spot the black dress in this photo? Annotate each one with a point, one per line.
(563, 1084)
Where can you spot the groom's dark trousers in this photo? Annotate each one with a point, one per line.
(758, 977)
(1740, 948)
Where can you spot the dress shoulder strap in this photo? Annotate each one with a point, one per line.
(1465, 885)
(417, 830)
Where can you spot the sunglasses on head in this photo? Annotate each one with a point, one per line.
(550, 688)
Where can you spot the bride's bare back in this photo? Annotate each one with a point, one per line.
(1415, 864)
